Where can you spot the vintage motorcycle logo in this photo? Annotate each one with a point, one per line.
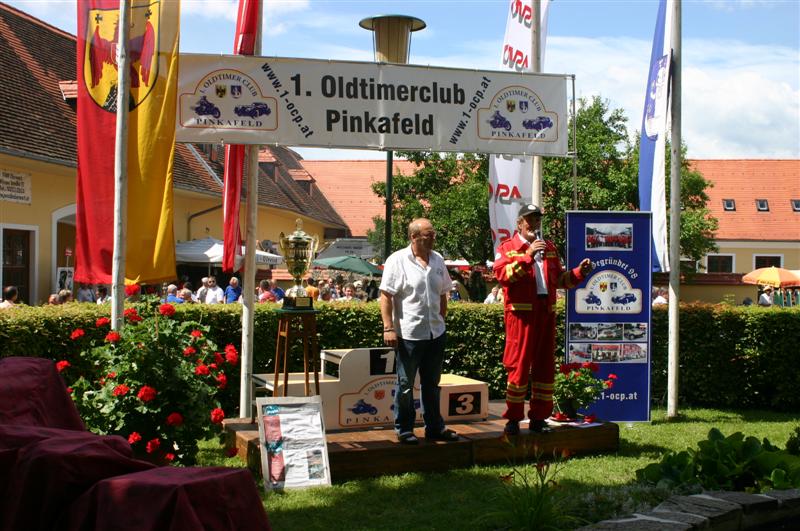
(508, 117)
(100, 53)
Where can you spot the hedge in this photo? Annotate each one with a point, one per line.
(729, 356)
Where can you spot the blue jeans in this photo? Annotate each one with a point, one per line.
(425, 356)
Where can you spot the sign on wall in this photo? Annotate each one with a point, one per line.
(307, 102)
(15, 187)
(608, 316)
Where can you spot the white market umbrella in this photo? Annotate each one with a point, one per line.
(210, 251)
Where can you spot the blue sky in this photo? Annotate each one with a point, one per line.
(741, 58)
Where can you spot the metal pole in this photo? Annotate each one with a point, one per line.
(121, 170)
(249, 277)
(387, 233)
(575, 148)
(675, 218)
(536, 64)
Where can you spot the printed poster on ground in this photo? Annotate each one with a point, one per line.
(609, 315)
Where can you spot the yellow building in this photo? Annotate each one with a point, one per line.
(38, 168)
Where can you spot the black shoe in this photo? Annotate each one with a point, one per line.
(512, 427)
(407, 438)
(539, 426)
(444, 435)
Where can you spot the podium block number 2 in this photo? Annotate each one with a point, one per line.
(464, 404)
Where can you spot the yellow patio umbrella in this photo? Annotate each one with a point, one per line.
(776, 277)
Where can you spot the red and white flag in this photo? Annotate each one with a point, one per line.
(243, 44)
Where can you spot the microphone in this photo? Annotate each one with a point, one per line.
(538, 234)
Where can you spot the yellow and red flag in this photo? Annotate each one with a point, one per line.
(153, 56)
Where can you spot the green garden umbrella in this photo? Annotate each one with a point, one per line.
(354, 264)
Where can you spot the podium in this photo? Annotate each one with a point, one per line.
(293, 324)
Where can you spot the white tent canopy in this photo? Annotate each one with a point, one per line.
(210, 250)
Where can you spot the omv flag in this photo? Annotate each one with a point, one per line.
(652, 176)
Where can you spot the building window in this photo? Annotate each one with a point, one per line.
(768, 261)
(719, 263)
(796, 205)
(762, 205)
(729, 204)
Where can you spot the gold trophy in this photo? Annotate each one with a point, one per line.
(298, 251)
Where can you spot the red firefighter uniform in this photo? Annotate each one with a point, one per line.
(530, 324)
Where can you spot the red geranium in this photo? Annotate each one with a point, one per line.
(132, 289)
(612, 376)
(231, 355)
(113, 337)
(111, 375)
(166, 309)
(222, 380)
(201, 370)
(213, 366)
(146, 393)
(590, 418)
(77, 334)
(103, 321)
(169, 457)
(217, 415)
(63, 364)
(188, 351)
(231, 452)
(197, 333)
(560, 417)
(174, 419)
(69, 390)
(134, 437)
(121, 390)
(218, 359)
(132, 315)
(153, 445)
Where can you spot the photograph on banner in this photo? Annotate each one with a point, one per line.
(294, 453)
(608, 317)
(345, 104)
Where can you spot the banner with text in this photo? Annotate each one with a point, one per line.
(608, 317)
(341, 104)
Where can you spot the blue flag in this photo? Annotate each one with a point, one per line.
(653, 135)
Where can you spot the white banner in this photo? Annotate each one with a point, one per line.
(339, 104)
(511, 178)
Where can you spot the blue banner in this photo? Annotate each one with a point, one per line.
(608, 316)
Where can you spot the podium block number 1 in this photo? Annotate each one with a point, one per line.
(381, 361)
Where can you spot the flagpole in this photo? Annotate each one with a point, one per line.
(674, 217)
(249, 280)
(121, 169)
(536, 64)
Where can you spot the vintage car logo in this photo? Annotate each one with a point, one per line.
(100, 53)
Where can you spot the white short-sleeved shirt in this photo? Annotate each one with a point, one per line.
(416, 293)
(215, 295)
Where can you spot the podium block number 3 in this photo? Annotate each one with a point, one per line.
(464, 403)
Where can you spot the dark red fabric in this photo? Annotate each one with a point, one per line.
(172, 499)
(32, 393)
(50, 474)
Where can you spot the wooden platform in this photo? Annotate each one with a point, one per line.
(365, 453)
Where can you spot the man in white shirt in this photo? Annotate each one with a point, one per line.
(214, 294)
(414, 289)
(765, 299)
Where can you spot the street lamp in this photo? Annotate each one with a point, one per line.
(391, 41)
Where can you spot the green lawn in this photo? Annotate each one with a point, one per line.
(594, 488)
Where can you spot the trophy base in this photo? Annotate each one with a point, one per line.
(298, 303)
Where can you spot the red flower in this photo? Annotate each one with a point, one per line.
(612, 376)
(188, 351)
(166, 309)
(174, 419)
(113, 337)
(152, 445)
(77, 334)
(589, 418)
(121, 390)
(609, 384)
(169, 457)
(134, 437)
(63, 364)
(564, 369)
(103, 321)
(146, 393)
(223, 380)
(197, 333)
(560, 417)
(201, 370)
(217, 415)
(231, 452)
(586, 365)
(218, 359)
(132, 289)
(213, 366)
(69, 390)
(594, 366)
(111, 375)
(231, 355)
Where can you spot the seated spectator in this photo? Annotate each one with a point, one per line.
(10, 295)
(311, 290)
(172, 295)
(661, 297)
(264, 294)
(454, 294)
(85, 293)
(765, 299)
(102, 295)
(324, 294)
(65, 296)
(491, 298)
(233, 291)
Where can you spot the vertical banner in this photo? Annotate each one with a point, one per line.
(511, 177)
(608, 318)
(243, 44)
(652, 171)
(153, 52)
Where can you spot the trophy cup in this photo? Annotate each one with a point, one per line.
(298, 252)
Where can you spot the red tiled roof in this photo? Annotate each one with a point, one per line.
(348, 186)
(744, 181)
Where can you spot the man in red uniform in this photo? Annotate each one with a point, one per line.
(530, 272)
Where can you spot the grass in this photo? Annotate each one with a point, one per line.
(594, 487)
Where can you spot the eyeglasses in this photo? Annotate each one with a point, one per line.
(427, 235)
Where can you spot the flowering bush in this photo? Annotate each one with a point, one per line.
(576, 387)
(155, 383)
